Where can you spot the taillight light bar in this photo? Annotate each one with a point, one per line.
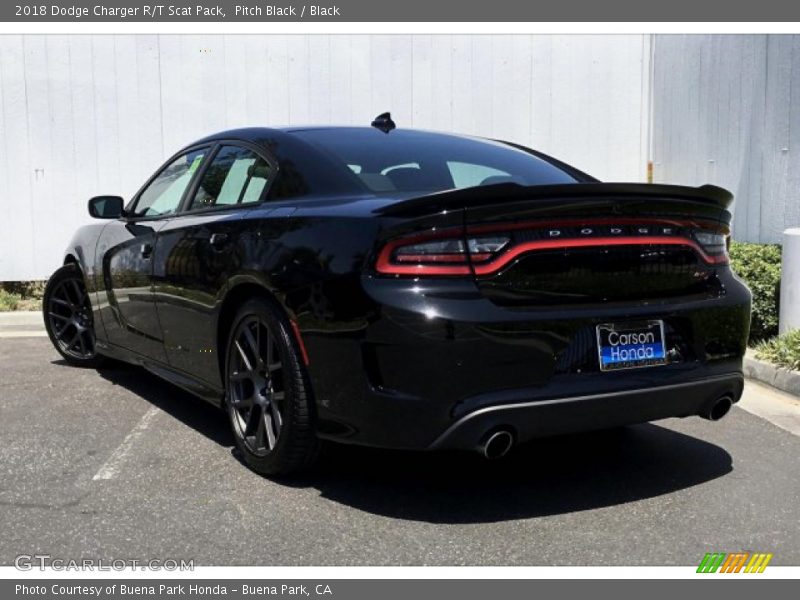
(444, 253)
(487, 249)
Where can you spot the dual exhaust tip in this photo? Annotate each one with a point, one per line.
(496, 445)
(499, 443)
(718, 408)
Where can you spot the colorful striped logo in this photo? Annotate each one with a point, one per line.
(737, 562)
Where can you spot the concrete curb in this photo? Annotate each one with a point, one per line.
(778, 377)
(21, 321)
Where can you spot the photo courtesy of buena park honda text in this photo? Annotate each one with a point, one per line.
(367, 299)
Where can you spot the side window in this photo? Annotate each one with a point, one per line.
(164, 193)
(235, 176)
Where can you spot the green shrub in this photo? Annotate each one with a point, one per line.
(783, 350)
(8, 300)
(21, 295)
(25, 289)
(759, 265)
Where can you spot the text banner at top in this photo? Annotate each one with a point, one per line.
(405, 11)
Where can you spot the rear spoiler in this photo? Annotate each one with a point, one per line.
(510, 192)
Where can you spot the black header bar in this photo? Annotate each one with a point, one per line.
(402, 11)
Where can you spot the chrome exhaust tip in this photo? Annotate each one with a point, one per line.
(496, 445)
(718, 409)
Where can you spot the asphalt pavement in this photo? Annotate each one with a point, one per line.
(118, 464)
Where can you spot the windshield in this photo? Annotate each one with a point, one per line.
(416, 161)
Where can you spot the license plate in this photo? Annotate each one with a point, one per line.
(630, 345)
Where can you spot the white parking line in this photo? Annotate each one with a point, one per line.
(111, 467)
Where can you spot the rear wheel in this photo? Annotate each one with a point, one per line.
(68, 317)
(267, 397)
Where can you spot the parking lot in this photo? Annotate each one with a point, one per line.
(117, 464)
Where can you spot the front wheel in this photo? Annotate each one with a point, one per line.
(267, 397)
(68, 317)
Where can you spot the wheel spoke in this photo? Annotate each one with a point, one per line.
(73, 339)
(58, 329)
(242, 403)
(62, 302)
(270, 348)
(59, 317)
(260, 431)
(61, 334)
(78, 292)
(239, 376)
(271, 436)
(245, 359)
(64, 293)
(259, 359)
(253, 343)
(276, 415)
(251, 421)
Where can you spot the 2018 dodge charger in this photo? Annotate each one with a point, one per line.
(406, 289)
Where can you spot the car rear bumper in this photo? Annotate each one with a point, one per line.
(437, 365)
(528, 420)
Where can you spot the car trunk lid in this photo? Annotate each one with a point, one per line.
(582, 243)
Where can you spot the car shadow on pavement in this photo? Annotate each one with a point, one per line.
(197, 414)
(545, 477)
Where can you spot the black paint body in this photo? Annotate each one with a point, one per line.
(411, 362)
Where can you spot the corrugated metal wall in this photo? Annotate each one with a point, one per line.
(726, 110)
(85, 115)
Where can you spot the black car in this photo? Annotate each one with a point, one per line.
(406, 289)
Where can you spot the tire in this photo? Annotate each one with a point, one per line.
(267, 395)
(68, 318)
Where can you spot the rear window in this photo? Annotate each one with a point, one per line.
(414, 161)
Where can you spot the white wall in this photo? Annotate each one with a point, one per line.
(727, 111)
(88, 115)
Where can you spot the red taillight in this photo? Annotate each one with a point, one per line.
(714, 243)
(426, 255)
(487, 249)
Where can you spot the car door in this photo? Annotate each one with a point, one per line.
(197, 251)
(125, 250)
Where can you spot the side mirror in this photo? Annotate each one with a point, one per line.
(106, 207)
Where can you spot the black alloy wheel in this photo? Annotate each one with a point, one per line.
(267, 392)
(68, 317)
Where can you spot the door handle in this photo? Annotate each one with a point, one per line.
(218, 240)
(146, 250)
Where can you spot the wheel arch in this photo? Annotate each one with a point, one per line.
(234, 298)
